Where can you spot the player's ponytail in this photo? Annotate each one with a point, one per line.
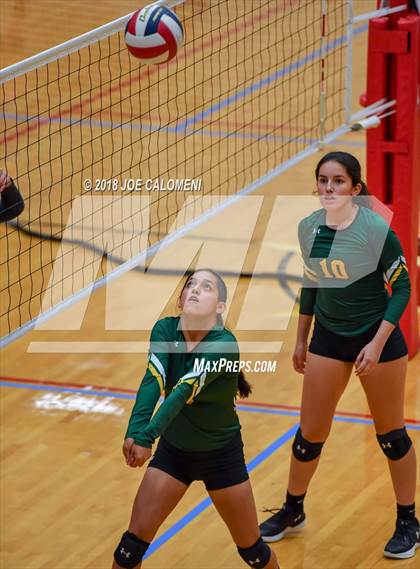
(364, 194)
(364, 191)
(244, 388)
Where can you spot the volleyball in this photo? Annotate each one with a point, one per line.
(153, 34)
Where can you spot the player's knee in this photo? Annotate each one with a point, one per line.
(305, 450)
(258, 555)
(395, 444)
(130, 550)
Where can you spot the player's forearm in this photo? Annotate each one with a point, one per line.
(164, 415)
(304, 325)
(393, 313)
(383, 333)
(147, 397)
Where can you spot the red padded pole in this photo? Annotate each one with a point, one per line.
(406, 170)
(393, 149)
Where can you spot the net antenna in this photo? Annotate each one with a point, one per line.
(254, 90)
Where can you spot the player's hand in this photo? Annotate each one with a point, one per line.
(5, 180)
(138, 455)
(367, 359)
(128, 443)
(299, 356)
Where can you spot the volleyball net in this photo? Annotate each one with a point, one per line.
(101, 146)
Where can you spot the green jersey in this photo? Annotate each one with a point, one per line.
(348, 272)
(198, 413)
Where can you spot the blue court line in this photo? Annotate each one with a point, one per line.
(173, 130)
(81, 391)
(268, 411)
(183, 126)
(151, 128)
(369, 422)
(132, 396)
(204, 504)
(338, 418)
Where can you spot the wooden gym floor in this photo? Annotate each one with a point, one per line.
(65, 492)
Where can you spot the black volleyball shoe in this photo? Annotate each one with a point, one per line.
(282, 522)
(405, 541)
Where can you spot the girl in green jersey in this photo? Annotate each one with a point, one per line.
(194, 363)
(348, 252)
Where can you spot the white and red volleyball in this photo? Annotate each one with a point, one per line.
(153, 34)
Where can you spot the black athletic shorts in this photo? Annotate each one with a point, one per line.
(346, 348)
(218, 468)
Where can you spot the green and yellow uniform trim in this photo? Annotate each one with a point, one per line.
(198, 413)
(345, 272)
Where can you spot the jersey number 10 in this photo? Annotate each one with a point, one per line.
(337, 268)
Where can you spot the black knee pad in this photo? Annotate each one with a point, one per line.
(395, 444)
(130, 550)
(258, 555)
(304, 450)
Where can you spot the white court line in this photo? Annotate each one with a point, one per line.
(112, 347)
